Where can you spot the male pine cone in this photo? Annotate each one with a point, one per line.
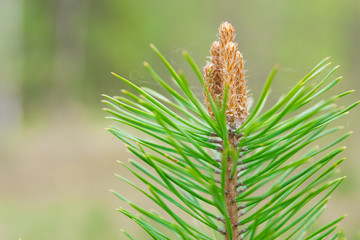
(227, 69)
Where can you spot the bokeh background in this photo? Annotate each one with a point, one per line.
(56, 159)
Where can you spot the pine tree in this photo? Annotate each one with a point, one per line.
(238, 172)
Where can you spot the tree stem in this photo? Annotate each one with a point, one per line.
(231, 194)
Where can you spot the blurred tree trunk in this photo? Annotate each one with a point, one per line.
(71, 19)
(11, 64)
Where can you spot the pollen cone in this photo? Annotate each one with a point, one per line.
(226, 69)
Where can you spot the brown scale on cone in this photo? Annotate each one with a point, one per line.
(213, 88)
(227, 68)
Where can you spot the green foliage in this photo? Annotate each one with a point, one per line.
(288, 178)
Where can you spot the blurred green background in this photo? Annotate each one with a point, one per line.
(56, 159)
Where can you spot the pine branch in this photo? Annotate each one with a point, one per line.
(238, 173)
